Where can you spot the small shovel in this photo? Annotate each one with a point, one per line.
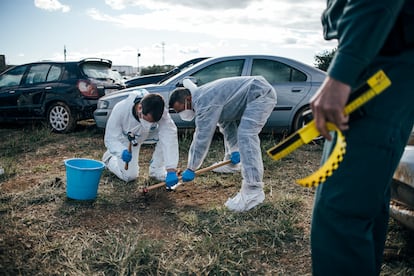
(200, 171)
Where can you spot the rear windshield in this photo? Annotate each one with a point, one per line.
(99, 71)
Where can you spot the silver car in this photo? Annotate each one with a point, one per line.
(295, 83)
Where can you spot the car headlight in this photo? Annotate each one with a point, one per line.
(103, 104)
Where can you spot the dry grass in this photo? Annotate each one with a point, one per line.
(186, 232)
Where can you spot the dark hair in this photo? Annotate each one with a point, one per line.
(153, 104)
(178, 95)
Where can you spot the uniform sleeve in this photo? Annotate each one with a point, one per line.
(168, 140)
(361, 32)
(206, 123)
(115, 140)
(229, 130)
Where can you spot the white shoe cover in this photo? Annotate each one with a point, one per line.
(229, 168)
(245, 200)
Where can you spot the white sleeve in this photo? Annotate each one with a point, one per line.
(168, 140)
(115, 140)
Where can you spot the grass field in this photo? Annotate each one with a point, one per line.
(125, 232)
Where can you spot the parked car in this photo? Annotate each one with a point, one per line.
(402, 188)
(61, 93)
(156, 78)
(294, 82)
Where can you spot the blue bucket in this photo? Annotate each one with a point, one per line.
(82, 178)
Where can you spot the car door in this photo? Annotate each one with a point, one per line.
(33, 89)
(290, 84)
(9, 90)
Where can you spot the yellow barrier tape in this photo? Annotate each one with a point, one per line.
(330, 165)
(375, 85)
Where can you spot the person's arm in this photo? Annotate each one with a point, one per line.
(115, 139)
(361, 32)
(229, 130)
(168, 141)
(206, 123)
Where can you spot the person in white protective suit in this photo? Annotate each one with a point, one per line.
(141, 117)
(240, 106)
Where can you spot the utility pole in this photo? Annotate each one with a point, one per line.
(138, 70)
(64, 52)
(163, 53)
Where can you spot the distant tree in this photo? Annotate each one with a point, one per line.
(323, 59)
(154, 69)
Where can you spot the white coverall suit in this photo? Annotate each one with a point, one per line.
(240, 106)
(120, 122)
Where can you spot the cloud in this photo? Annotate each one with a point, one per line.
(51, 5)
(196, 4)
(261, 20)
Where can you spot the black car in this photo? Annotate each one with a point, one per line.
(62, 93)
(156, 78)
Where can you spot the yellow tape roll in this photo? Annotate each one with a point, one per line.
(331, 164)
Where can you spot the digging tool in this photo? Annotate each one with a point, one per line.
(200, 171)
(132, 142)
(375, 85)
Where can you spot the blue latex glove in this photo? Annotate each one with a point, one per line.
(235, 157)
(188, 175)
(126, 156)
(171, 179)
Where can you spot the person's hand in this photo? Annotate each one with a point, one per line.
(235, 157)
(188, 175)
(126, 156)
(328, 105)
(171, 179)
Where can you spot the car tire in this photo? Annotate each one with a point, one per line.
(60, 118)
(302, 117)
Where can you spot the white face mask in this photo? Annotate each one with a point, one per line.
(148, 126)
(187, 115)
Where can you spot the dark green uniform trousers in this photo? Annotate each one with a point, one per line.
(351, 209)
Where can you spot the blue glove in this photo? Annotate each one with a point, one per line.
(171, 179)
(188, 175)
(235, 157)
(126, 156)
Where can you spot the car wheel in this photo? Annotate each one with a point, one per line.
(60, 118)
(302, 117)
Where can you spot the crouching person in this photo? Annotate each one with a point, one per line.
(142, 116)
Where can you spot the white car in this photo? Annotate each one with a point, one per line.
(295, 83)
(402, 188)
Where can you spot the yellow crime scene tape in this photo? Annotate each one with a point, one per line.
(376, 84)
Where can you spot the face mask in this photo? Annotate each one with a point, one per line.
(148, 126)
(187, 115)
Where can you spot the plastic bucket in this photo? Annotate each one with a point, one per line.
(82, 178)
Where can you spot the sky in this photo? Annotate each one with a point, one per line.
(163, 32)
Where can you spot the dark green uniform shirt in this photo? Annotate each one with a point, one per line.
(361, 29)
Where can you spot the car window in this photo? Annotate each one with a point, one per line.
(37, 73)
(54, 73)
(12, 77)
(96, 70)
(224, 69)
(276, 72)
